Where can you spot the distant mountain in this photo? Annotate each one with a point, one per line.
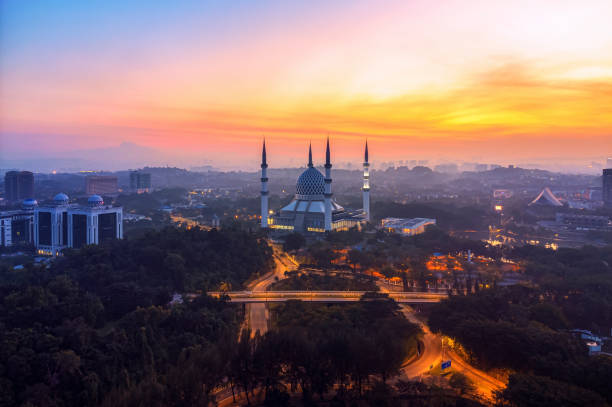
(124, 156)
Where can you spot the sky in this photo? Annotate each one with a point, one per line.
(203, 82)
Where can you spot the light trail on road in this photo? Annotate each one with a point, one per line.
(433, 353)
(257, 311)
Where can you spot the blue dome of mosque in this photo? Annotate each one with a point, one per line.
(311, 182)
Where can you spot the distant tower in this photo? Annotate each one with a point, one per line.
(264, 187)
(328, 192)
(366, 184)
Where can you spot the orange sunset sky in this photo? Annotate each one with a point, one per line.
(488, 81)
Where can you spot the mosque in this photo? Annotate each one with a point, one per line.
(313, 209)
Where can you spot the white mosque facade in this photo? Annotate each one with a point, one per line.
(313, 209)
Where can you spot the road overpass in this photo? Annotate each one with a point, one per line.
(324, 296)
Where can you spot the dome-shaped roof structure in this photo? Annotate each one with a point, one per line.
(61, 198)
(311, 182)
(29, 203)
(95, 200)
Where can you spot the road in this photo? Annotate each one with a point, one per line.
(431, 349)
(322, 296)
(257, 313)
(485, 384)
(432, 354)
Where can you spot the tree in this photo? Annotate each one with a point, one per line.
(294, 241)
(388, 271)
(322, 254)
(95, 328)
(536, 391)
(461, 383)
(175, 264)
(367, 261)
(242, 363)
(354, 257)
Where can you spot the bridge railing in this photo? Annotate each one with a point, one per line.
(272, 295)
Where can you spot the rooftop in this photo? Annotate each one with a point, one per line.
(406, 223)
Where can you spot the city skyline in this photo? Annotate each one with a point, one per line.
(461, 81)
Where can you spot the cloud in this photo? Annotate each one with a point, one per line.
(509, 111)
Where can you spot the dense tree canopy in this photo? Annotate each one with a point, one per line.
(525, 328)
(147, 270)
(325, 282)
(319, 346)
(96, 327)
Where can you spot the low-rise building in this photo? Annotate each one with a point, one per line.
(17, 226)
(583, 221)
(406, 226)
(101, 185)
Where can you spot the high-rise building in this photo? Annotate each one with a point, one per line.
(140, 182)
(18, 185)
(101, 185)
(607, 187)
(61, 225)
(609, 162)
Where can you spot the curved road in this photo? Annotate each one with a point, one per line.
(257, 313)
(433, 353)
(431, 349)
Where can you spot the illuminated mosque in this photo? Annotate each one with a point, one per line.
(313, 210)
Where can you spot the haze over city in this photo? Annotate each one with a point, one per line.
(520, 82)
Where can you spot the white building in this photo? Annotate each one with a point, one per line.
(17, 226)
(406, 226)
(51, 226)
(61, 225)
(94, 223)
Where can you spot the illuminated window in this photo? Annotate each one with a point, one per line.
(315, 229)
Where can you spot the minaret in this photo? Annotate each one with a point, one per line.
(366, 184)
(328, 192)
(264, 187)
(310, 155)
